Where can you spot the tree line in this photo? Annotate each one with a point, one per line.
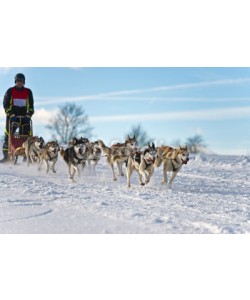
(71, 120)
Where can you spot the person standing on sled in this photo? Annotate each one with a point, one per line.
(18, 101)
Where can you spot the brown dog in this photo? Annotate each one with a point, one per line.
(172, 160)
(118, 153)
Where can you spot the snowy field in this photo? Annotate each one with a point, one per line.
(209, 195)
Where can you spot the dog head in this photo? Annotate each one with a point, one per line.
(150, 153)
(131, 142)
(79, 145)
(183, 154)
(96, 148)
(53, 147)
(39, 142)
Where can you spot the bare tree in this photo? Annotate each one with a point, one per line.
(196, 144)
(70, 122)
(140, 134)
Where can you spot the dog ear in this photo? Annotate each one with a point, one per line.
(134, 137)
(153, 146)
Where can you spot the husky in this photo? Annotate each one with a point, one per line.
(118, 153)
(49, 154)
(94, 153)
(143, 163)
(172, 160)
(33, 147)
(75, 155)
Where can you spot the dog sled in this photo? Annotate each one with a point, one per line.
(20, 129)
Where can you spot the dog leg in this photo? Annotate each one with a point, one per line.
(53, 166)
(40, 164)
(78, 171)
(113, 171)
(165, 179)
(72, 174)
(144, 174)
(27, 155)
(30, 160)
(119, 165)
(47, 165)
(140, 179)
(129, 173)
(150, 174)
(174, 173)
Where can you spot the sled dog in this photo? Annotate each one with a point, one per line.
(49, 154)
(143, 163)
(94, 153)
(118, 153)
(75, 155)
(172, 160)
(33, 147)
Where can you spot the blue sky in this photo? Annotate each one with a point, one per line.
(169, 103)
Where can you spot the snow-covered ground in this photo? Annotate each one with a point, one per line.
(209, 195)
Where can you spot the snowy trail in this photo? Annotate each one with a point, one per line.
(210, 195)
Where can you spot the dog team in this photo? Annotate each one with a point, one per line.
(81, 151)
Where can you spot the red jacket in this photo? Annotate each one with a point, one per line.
(18, 101)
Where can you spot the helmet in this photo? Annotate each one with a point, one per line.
(20, 76)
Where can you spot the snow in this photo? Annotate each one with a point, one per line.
(209, 195)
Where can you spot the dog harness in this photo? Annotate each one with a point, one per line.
(136, 156)
(174, 168)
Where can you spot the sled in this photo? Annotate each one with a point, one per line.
(19, 132)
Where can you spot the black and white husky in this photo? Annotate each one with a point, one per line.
(76, 154)
(143, 163)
